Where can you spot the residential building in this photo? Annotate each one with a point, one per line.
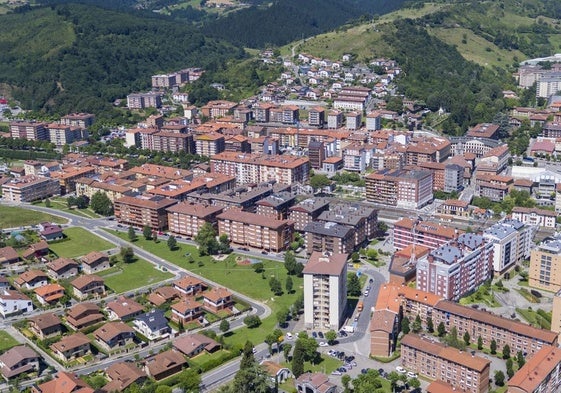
(88, 285)
(18, 360)
(484, 130)
(316, 117)
(71, 347)
(353, 120)
(30, 130)
(186, 310)
(62, 268)
(218, 108)
(462, 145)
(209, 144)
(189, 285)
(511, 243)
(95, 261)
(49, 231)
(45, 325)
(165, 81)
(277, 373)
(556, 313)
(430, 234)
(535, 216)
(218, 299)
(14, 303)
(186, 218)
(356, 157)
(453, 178)
(314, 383)
(122, 375)
(49, 294)
(363, 219)
(60, 134)
(83, 120)
(193, 344)
(329, 237)
(421, 150)
(456, 268)
(165, 294)
(307, 211)
(404, 262)
(113, 335)
(494, 187)
(316, 154)
(332, 164)
(255, 230)
(153, 325)
(123, 308)
(165, 364)
(29, 188)
(69, 174)
(259, 168)
(276, 205)
(88, 186)
(36, 250)
(144, 210)
(325, 291)
(433, 360)
(406, 189)
(544, 272)
(334, 119)
(63, 382)
(8, 255)
(454, 207)
(540, 373)
(144, 100)
(384, 330)
(374, 121)
(83, 315)
(31, 279)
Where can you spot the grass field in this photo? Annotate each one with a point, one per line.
(239, 278)
(6, 341)
(79, 242)
(128, 276)
(11, 217)
(62, 205)
(535, 319)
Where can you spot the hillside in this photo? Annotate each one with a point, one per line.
(61, 59)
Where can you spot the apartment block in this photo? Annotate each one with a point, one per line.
(144, 100)
(535, 216)
(494, 187)
(329, 237)
(89, 186)
(61, 135)
(29, 188)
(433, 360)
(307, 211)
(316, 153)
(30, 130)
(209, 144)
(187, 219)
(165, 81)
(316, 117)
(384, 330)
(406, 189)
(363, 219)
(430, 234)
(427, 150)
(82, 120)
(259, 168)
(511, 243)
(255, 230)
(334, 119)
(545, 266)
(325, 291)
(456, 268)
(541, 373)
(218, 108)
(143, 210)
(374, 121)
(556, 313)
(484, 130)
(276, 205)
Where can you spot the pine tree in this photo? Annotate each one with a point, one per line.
(405, 328)
(430, 325)
(132, 234)
(441, 329)
(417, 326)
(247, 357)
(298, 359)
(493, 347)
(520, 359)
(467, 338)
(479, 343)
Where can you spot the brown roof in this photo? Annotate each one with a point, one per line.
(122, 375)
(539, 212)
(195, 209)
(237, 215)
(185, 305)
(536, 369)
(81, 308)
(94, 257)
(383, 320)
(30, 276)
(440, 387)
(456, 202)
(189, 342)
(82, 281)
(45, 321)
(215, 294)
(523, 182)
(165, 361)
(278, 161)
(187, 281)
(70, 342)
(519, 328)
(318, 380)
(61, 263)
(65, 383)
(111, 330)
(150, 202)
(50, 292)
(12, 357)
(484, 130)
(428, 227)
(331, 264)
(163, 294)
(454, 355)
(8, 254)
(123, 307)
(389, 297)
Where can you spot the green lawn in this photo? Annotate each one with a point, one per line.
(11, 217)
(239, 278)
(6, 341)
(79, 242)
(535, 319)
(62, 205)
(483, 295)
(127, 276)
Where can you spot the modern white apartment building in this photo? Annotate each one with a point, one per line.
(325, 291)
(511, 243)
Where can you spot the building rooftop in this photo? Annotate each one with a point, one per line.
(536, 369)
(237, 215)
(326, 263)
(384, 320)
(329, 229)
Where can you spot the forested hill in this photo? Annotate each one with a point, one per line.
(73, 57)
(288, 20)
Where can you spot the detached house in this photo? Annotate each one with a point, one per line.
(31, 279)
(49, 294)
(123, 308)
(50, 231)
(45, 325)
(188, 285)
(94, 262)
(193, 344)
(8, 255)
(83, 315)
(163, 294)
(218, 299)
(63, 382)
(36, 250)
(18, 360)
(122, 375)
(71, 347)
(62, 268)
(153, 325)
(165, 364)
(14, 302)
(114, 334)
(89, 285)
(186, 310)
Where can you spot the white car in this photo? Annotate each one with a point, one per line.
(323, 344)
(288, 336)
(400, 370)
(411, 374)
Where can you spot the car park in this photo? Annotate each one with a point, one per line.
(400, 370)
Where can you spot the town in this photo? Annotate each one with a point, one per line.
(320, 229)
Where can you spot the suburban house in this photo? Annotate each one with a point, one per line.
(83, 315)
(49, 231)
(114, 334)
(276, 372)
(18, 360)
(218, 299)
(153, 325)
(8, 255)
(63, 382)
(95, 261)
(193, 344)
(31, 279)
(162, 295)
(314, 383)
(36, 250)
(45, 325)
(186, 310)
(62, 268)
(71, 347)
(122, 375)
(14, 302)
(165, 364)
(123, 308)
(49, 294)
(189, 285)
(89, 285)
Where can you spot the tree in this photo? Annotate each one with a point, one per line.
(355, 256)
(506, 351)
(282, 315)
(346, 381)
(499, 378)
(293, 267)
(251, 379)
(101, 204)
(224, 325)
(430, 325)
(147, 232)
(453, 340)
(224, 244)
(172, 243)
(509, 368)
(520, 359)
(132, 234)
(163, 389)
(286, 351)
(298, 359)
(441, 329)
(270, 339)
(206, 239)
(127, 254)
(467, 338)
(416, 326)
(393, 377)
(275, 286)
(479, 343)
(414, 383)
(405, 328)
(258, 267)
(190, 380)
(288, 285)
(331, 336)
(382, 228)
(353, 285)
(493, 347)
(47, 202)
(155, 236)
(372, 254)
(319, 181)
(247, 355)
(252, 321)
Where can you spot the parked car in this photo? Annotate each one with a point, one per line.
(364, 370)
(288, 336)
(320, 335)
(411, 374)
(336, 372)
(314, 335)
(323, 344)
(400, 370)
